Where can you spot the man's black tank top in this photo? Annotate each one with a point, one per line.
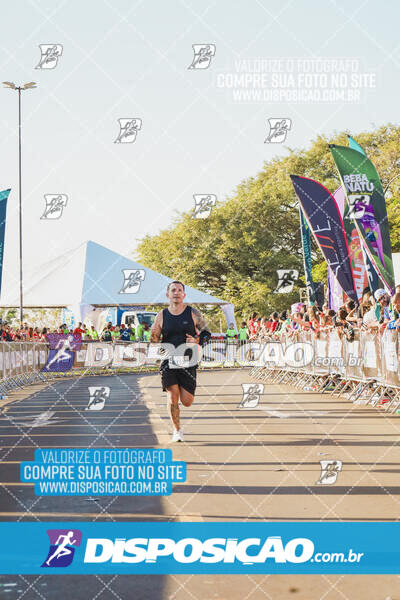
(175, 327)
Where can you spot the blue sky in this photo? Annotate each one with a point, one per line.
(130, 59)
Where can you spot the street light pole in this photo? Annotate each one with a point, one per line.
(21, 302)
(26, 86)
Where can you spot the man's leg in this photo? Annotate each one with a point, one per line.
(185, 397)
(173, 405)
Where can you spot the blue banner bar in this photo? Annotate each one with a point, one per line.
(199, 548)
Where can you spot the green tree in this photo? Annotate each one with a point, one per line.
(235, 253)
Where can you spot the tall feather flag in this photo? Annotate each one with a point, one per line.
(372, 276)
(355, 145)
(335, 292)
(306, 243)
(3, 212)
(367, 207)
(326, 223)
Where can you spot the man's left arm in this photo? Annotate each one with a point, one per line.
(201, 326)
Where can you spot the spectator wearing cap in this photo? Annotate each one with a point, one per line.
(383, 310)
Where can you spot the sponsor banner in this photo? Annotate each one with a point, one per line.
(200, 548)
(326, 223)
(61, 353)
(306, 242)
(367, 207)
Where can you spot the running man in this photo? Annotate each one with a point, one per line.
(178, 324)
(62, 549)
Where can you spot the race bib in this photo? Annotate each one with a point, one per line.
(178, 362)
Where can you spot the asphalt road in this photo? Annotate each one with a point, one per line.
(259, 464)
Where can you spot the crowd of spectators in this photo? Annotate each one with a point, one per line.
(374, 313)
(108, 334)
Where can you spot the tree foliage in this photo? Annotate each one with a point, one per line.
(235, 253)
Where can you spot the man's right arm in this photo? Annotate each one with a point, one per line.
(155, 332)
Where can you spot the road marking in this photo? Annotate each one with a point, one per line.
(86, 434)
(40, 420)
(189, 518)
(282, 415)
(85, 515)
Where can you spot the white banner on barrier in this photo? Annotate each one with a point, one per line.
(370, 355)
(321, 348)
(390, 353)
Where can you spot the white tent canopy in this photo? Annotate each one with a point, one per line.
(92, 276)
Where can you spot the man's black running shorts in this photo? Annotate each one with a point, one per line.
(185, 378)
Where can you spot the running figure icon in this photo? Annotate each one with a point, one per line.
(98, 396)
(62, 549)
(62, 354)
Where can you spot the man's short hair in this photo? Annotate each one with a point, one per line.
(180, 283)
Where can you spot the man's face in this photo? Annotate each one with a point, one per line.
(176, 293)
(384, 301)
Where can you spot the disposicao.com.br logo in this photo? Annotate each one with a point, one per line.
(247, 551)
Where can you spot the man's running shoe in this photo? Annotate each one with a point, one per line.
(177, 436)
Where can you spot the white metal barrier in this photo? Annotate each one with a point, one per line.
(367, 358)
